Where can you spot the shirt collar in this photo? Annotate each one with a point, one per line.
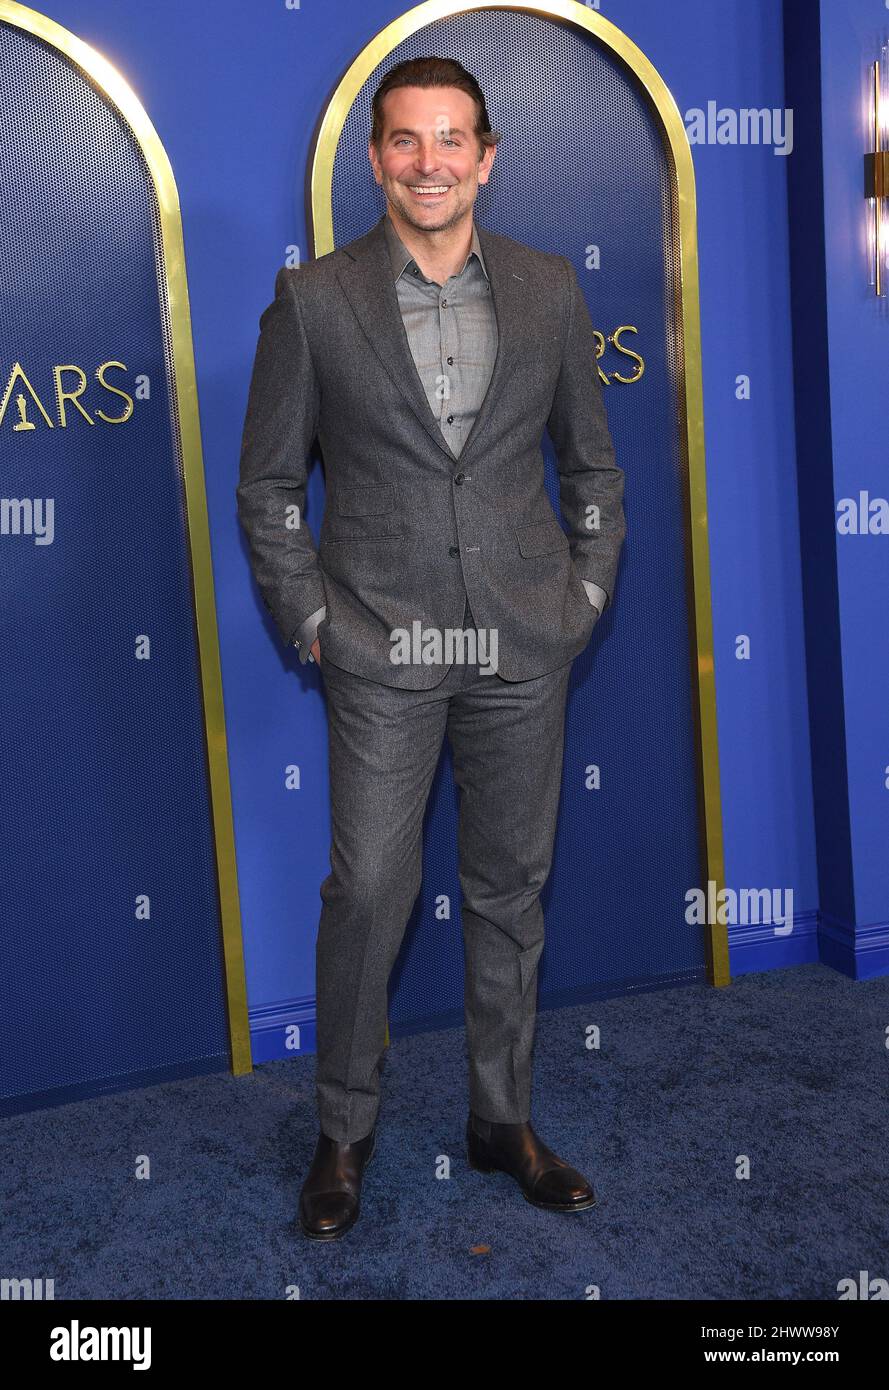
(401, 258)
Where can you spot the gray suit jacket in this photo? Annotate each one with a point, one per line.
(409, 530)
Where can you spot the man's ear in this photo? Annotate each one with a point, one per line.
(372, 156)
(486, 163)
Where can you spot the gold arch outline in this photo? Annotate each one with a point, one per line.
(175, 287)
(690, 387)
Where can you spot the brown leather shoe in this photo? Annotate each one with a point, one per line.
(330, 1199)
(546, 1180)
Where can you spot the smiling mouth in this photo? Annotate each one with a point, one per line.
(429, 192)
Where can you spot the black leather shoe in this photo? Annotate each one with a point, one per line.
(546, 1180)
(330, 1199)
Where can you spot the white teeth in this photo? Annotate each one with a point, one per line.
(423, 188)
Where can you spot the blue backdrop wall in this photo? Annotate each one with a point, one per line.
(858, 385)
(841, 359)
(234, 92)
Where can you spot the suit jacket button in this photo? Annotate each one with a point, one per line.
(454, 550)
(459, 478)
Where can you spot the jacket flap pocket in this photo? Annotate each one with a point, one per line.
(370, 500)
(541, 537)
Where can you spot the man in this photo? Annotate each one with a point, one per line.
(428, 356)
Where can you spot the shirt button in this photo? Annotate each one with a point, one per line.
(450, 419)
(444, 303)
(450, 361)
(454, 550)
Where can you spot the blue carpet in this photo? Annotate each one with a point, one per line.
(788, 1068)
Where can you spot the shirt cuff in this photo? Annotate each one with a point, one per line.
(597, 597)
(307, 632)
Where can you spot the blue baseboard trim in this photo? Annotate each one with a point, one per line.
(761, 946)
(283, 1029)
(287, 1028)
(862, 953)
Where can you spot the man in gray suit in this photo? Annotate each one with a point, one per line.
(444, 597)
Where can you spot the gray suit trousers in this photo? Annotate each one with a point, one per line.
(507, 741)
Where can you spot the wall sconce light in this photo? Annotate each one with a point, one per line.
(876, 177)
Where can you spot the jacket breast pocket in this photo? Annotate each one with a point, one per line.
(541, 538)
(360, 511)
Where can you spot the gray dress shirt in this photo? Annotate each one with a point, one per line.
(452, 333)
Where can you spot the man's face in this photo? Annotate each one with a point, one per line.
(428, 143)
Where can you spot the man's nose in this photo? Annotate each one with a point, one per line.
(427, 160)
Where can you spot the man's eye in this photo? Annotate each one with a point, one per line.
(446, 140)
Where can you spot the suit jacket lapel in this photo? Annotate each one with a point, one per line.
(510, 304)
(367, 282)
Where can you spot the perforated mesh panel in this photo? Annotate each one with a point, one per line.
(102, 757)
(582, 164)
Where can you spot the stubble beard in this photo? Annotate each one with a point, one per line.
(405, 209)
